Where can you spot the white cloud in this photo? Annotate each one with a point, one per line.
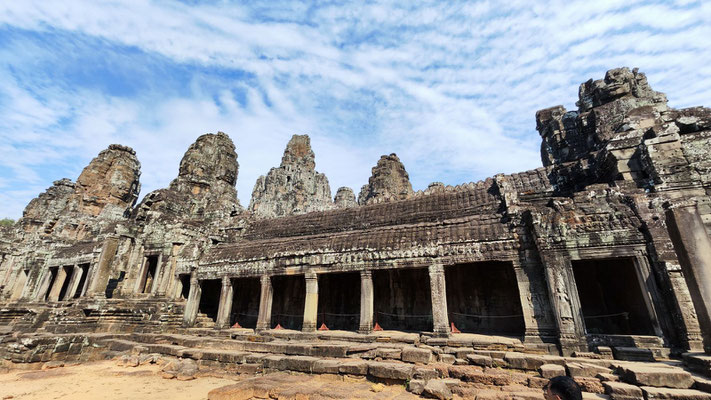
(451, 87)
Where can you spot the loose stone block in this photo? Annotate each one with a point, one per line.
(651, 393)
(619, 390)
(415, 355)
(391, 371)
(551, 370)
(483, 361)
(585, 370)
(645, 375)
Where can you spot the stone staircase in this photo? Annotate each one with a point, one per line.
(472, 366)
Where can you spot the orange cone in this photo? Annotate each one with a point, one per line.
(454, 328)
(323, 327)
(237, 325)
(278, 326)
(377, 327)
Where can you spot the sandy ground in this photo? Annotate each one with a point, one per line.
(102, 380)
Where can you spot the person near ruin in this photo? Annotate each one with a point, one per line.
(562, 388)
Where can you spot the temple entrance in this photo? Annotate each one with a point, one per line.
(288, 301)
(149, 273)
(611, 297)
(402, 299)
(245, 302)
(82, 281)
(339, 301)
(483, 298)
(210, 298)
(184, 281)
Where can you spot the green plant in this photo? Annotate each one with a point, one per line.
(7, 222)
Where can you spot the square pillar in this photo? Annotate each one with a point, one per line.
(264, 319)
(193, 304)
(73, 283)
(438, 291)
(693, 247)
(366, 302)
(57, 285)
(563, 294)
(44, 286)
(310, 303)
(225, 307)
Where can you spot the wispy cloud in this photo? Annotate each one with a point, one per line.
(451, 87)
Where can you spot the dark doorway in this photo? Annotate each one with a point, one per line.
(288, 301)
(149, 274)
(184, 286)
(339, 301)
(483, 298)
(53, 277)
(210, 298)
(68, 274)
(402, 299)
(245, 302)
(82, 281)
(611, 297)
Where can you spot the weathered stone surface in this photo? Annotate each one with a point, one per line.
(649, 375)
(293, 188)
(205, 186)
(619, 390)
(389, 181)
(551, 370)
(345, 198)
(391, 370)
(676, 394)
(585, 370)
(415, 355)
(416, 386)
(438, 390)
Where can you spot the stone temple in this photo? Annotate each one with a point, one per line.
(602, 251)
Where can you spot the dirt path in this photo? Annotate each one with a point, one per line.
(102, 380)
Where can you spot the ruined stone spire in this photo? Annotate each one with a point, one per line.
(205, 186)
(293, 188)
(345, 198)
(389, 181)
(108, 186)
(603, 106)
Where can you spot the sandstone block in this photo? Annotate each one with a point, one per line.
(651, 393)
(394, 371)
(619, 390)
(438, 389)
(644, 375)
(353, 368)
(416, 386)
(326, 367)
(585, 370)
(551, 370)
(483, 361)
(415, 355)
(524, 361)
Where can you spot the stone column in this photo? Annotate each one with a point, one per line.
(264, 320)
(693, 247)
(225, 309)
(102, 269)
(157, 278)
(193, 304)
(310, 303)
(57, 285)
(73, 283)
(366, 302)
(532, 332)
(438, 290)
(564, 300)
(44, 286)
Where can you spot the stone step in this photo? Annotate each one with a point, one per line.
(698, 362)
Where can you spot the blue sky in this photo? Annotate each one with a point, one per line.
(451, 87)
